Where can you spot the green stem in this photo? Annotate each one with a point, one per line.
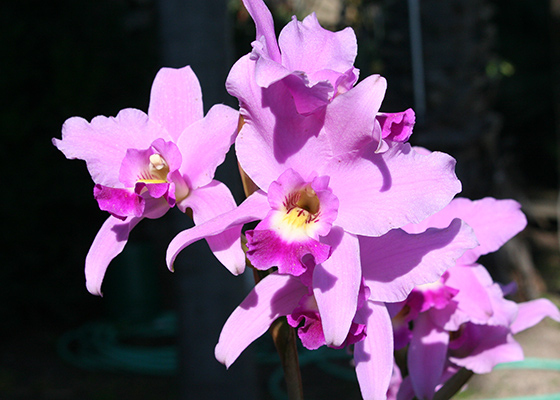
(285, 340)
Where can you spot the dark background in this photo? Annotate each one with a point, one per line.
(491, 80)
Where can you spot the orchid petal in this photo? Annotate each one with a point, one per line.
(135, 165)
(395, 383)
(307, 321)
(108, 243)
(253, 208)
(532, 312)
(374, 355)
(397, 126)
(353, 113)
(265, 26)
(406, 392)
(321, 48)
(379, 192)
(274, 137)
(170, 152)
(493, 221)
(274, 296)
(267, 71)
(336, 284)
(393, 264)
(266, 249)
(208, 202)
(103, 142)
(473, 299)
(176, 100)
(492, 345)
(505, 311)
(308, 98)
(156, 190)
(426, 356)
(240, 83)
(204, 144)
(264, 156)
(286, 184)
(119, 202)
(211, 201)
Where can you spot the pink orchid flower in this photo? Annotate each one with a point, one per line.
(323, 183)
(326, 177)
(413, 258)
(143, 165)
(463, 320)
(316, 220)
(476, 347)
(313, 63)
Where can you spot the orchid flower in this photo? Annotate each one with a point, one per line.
(325, 178)
(463, 320)
(476, 347)
(413, 259)
(333, 182)
(143, 165)
(313, 63)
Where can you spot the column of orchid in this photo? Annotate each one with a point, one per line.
(359, 243)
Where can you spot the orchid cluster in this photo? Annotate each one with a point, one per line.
(359, 241)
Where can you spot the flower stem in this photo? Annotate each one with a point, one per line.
(285, 340)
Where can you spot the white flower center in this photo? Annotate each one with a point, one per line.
(157, 170)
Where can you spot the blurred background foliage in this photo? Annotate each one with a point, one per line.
(491, 84)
